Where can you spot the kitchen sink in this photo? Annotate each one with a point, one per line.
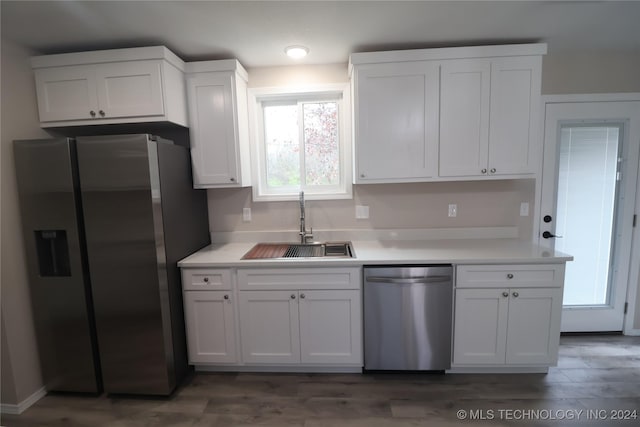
(300, 250)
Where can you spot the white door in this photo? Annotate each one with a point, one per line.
(480, 326)
(211, 336)
(213, 123)
(269, 326)
(533, 331)
(397, 121)
(588, 194)
(67, 93)
(330, 327)
(130, 89)
(464, 117)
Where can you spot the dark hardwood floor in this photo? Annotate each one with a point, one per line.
(597, 380)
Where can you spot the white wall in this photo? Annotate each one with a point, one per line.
(19, 117)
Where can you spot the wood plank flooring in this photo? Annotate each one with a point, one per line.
(598, 375)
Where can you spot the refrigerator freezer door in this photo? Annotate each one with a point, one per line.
(59, 283)
(125, 241)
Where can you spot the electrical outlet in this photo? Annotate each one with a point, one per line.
(524, 209)
(246, 214)
(362, 212)
(453, 211)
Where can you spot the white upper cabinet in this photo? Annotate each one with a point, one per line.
(219, 126)
(110, 87)
(515, 99)
(396, 121)
(464, 118)
(447, 114)
(489, 116)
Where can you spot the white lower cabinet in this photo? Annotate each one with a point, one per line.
(507, 326)
(306, 326)
(270, 327)
(282, 317)
(210, 322)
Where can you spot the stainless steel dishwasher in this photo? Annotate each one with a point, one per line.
(407, 317)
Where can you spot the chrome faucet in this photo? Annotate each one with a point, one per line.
(304, 235)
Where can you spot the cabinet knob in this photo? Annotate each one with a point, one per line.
(92, 113)
(232, 179)
(509, 276)
(515, 294)
(102, 113)
(483, 171)
(302, 296)
(362, 175)
(226, 297)
(206, 280)
(293, 296)
(505, 294)
(493, 170)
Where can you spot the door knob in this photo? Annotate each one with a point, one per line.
(548, 235)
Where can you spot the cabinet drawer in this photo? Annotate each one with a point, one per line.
(299, 278)
(203, 279)
(517, 275)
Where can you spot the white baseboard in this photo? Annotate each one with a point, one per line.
(19, 408)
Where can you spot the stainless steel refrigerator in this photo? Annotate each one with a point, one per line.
(105, 221)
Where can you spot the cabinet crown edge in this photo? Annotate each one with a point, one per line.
(108, 55)
(528, 49)
(217, 65)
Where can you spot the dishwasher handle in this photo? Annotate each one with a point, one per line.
(409, 280)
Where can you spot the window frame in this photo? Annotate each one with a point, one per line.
(258, 97)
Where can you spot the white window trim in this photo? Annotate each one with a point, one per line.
(256, 96)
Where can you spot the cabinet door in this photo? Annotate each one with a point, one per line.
(269, 327)
(330, 327)
(515, 98)
(480, 326)
(212, 125)
(130, 89)
(211, 336)
(464, 117)
(396, 115)
(534, 326)
(66, 93)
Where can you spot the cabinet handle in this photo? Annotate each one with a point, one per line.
(206, 280)
(483, 171)
(226, 297)
(92, 113)
(293, 296)
(302, 296)
(515, 295)
(102, 113)
(505, 294)
(493, 170)
(509, 276)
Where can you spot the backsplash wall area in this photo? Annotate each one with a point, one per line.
(415, 205)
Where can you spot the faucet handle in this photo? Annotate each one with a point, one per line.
(309, 235)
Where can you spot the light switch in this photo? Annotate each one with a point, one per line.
(362, 212)
(246, 214)
(524, 209)
(453, 211)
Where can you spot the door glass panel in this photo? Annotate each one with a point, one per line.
(587, 179)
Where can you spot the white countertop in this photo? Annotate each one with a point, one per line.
(455, 251)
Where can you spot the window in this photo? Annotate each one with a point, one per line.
(301, 142)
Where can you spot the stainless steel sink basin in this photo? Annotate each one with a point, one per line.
(301, 250)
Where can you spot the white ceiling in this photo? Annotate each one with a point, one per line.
(256, 32)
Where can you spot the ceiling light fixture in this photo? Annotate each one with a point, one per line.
(296, 52)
